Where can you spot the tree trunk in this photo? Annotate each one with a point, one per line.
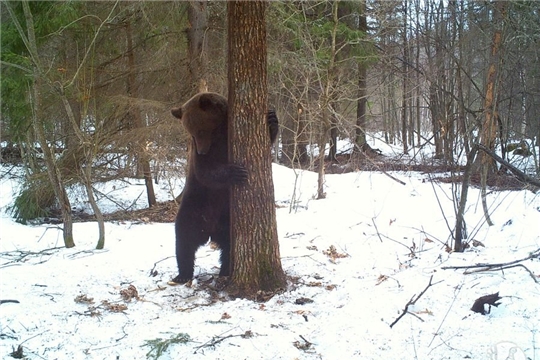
(255, 259)
(361, 107)
(293, 134)
(53, 171)
(86, 149)
(87, 176)
(461, 225)
(320, 159)
(196, 32)
(360, 131)
(405, 94)
(325, 124)
(332, 150)
(137, 119)
(489, 125)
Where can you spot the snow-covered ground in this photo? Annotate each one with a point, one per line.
(354, 260)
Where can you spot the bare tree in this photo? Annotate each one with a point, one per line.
(39, 82)
(134, 115)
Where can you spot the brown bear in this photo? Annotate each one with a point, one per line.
(204, 207)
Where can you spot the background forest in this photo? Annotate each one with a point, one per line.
(86, 87)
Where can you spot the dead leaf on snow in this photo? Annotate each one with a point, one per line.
(381, 279)
(115, 308)
(84, 299)
(129, 293)
(333, 254)
(225, 316)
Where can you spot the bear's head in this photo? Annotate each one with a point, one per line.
(201, 115)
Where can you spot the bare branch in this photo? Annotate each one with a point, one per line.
(413, 301)
(500, 266)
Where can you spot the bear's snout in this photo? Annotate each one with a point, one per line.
(202, 145)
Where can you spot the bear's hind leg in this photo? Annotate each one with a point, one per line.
(186, 247)
(225, 258)
(224, 243)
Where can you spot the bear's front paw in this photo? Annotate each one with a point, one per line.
(237, 174)
(273, 125)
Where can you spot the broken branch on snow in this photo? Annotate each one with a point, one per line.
(413, 300)
(219, 338)
(518, 173)
(499, 266)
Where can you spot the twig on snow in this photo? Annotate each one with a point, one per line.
(376, 228)
(19, 354)
(154, 272)
(9, 301)
(499, 266)
(379, 235)
(17, 256)
(437, 332)
(219, 338)
(413, 300)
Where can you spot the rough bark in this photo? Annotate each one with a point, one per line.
(255, 259)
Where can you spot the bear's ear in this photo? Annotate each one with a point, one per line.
(177, 113)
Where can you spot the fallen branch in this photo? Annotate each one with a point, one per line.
(384, 171)
(413, 300)
(9, 301)
(18, 256)
(499, 266)
(518, 173)
(217, 339)
(154, 272)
